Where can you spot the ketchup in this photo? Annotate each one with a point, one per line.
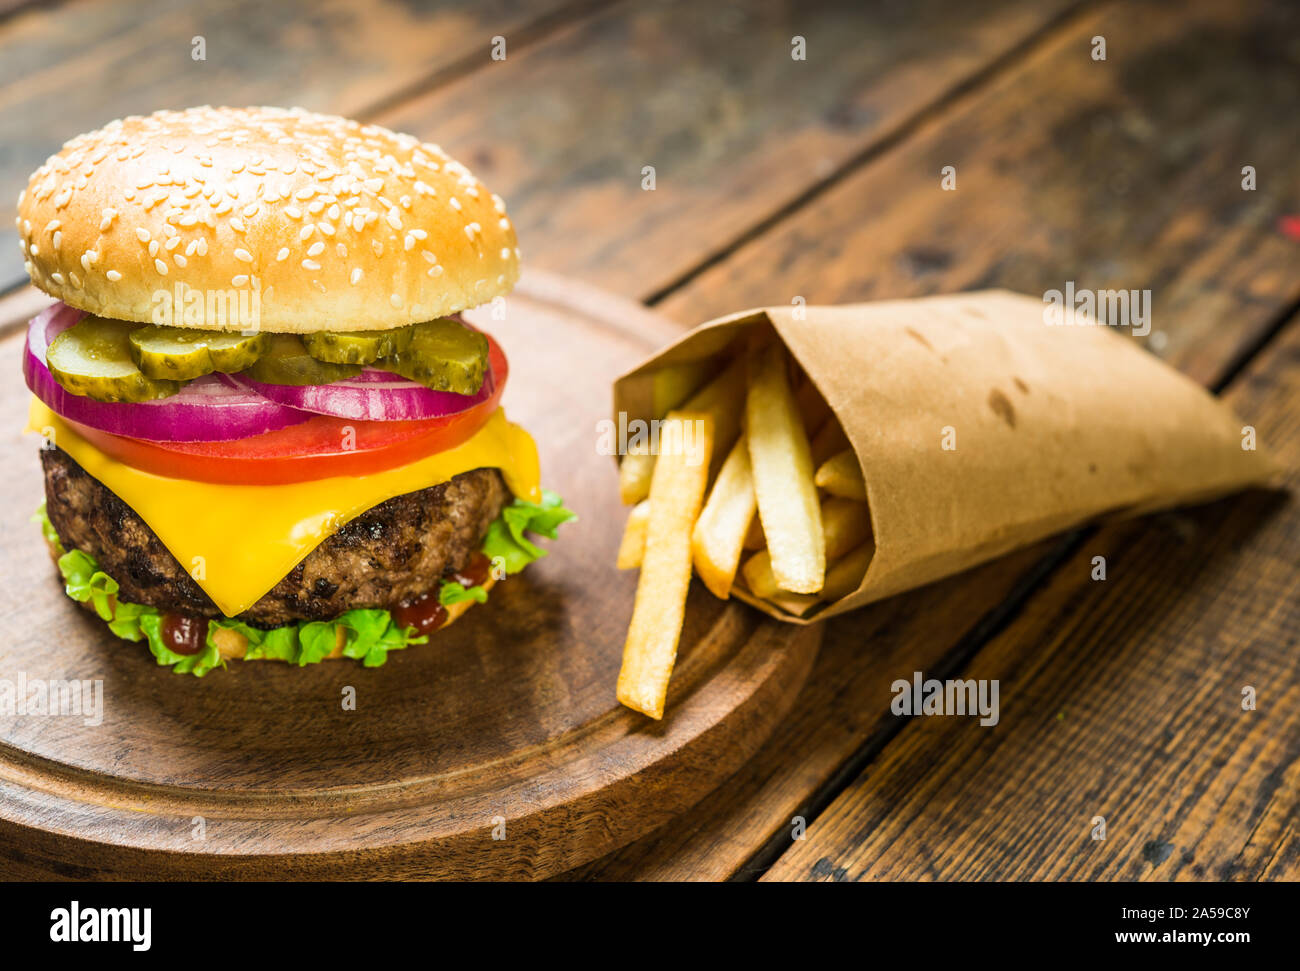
(184, 635)
(475, 572)
(424, 613)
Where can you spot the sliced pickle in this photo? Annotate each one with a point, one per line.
(286, 361)
(444, 355)
(93, 358)
(182, 353)
(360, 347)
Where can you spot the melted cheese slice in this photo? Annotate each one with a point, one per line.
(237, 541)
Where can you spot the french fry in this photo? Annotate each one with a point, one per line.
(829, 440)
(754, 539)
(783, 478)
(724, 522)
(676, 494)
(845, 575)
(840, 475)
(634, 474)
(723, 399)
(846, 523)
(632, 547)
(759, 577)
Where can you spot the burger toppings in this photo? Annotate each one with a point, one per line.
(119, 361)
(287, 361)
(443, 355)
(357, 347)
(206, 409)
(183, 354)
(93, 358)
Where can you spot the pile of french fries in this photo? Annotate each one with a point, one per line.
(770, 479)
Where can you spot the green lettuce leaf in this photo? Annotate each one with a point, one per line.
(42, 519)
(507, 544)
(452, 592)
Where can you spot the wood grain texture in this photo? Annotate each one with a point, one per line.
(510, 713)
(834, 717)
(710, 96)
(1121, 699)
(69, 68)
(889, 230)
(1124, 173)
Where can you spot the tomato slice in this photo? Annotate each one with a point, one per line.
(318, 448)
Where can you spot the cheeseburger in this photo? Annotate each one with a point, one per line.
(269, 433)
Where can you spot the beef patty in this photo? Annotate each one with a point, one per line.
(398, 549)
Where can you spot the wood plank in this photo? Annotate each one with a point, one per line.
(1121, 699)
(1124, 173)
(735, 128)
(854, 243)
(69, 68)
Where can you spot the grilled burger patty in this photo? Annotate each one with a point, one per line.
(396, 550)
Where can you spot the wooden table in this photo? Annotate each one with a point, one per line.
(778, 178)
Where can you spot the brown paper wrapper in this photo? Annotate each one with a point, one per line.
(1055, 425)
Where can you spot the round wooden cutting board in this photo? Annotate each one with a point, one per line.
(495, 751)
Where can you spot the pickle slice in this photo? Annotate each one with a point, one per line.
(181, 353)
(92, 358)
(359, 347)
(444, 355)
(286, 361)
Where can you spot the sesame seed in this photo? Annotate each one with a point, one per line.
(316, 248)
(283, 255)
(356, 275)
(244, 256)
(395, 300)
(153, 247)
(57, 278)
(241, 280)
(305, 233)
(57, 241)
(142, 234)
(160, 266)
(179, 260)
(454, 203)
(310, 265)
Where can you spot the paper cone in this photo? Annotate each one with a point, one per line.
(1054, 425)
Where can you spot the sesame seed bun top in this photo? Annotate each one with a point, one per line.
(337, 225)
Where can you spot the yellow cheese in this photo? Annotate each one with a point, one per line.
(237, 541)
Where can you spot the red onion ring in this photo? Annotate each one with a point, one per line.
(377, 395)
(206, 409)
